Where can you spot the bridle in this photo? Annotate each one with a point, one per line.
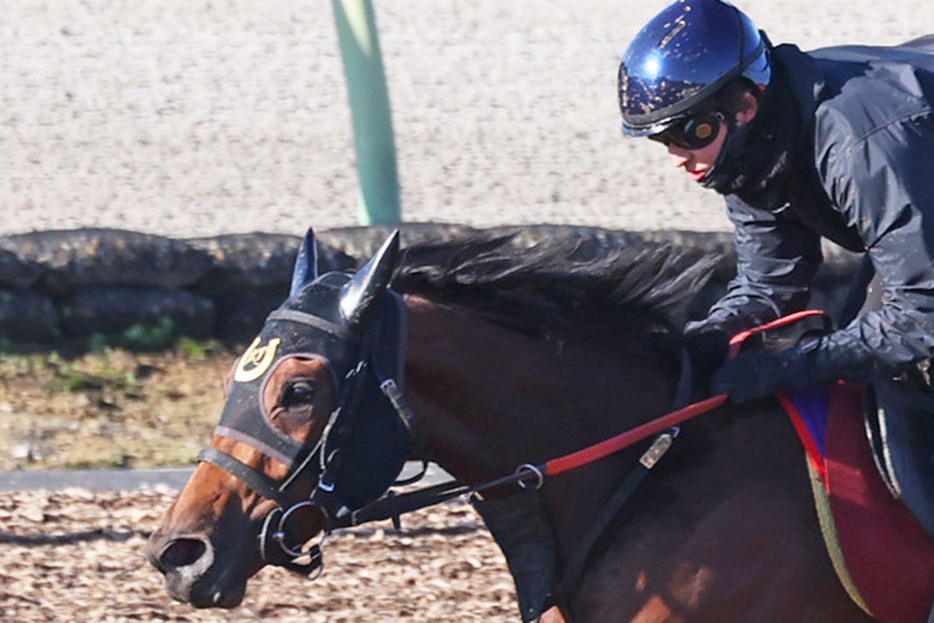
(320, 462)
(362, 377)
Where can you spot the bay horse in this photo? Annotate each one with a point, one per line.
(482, 357)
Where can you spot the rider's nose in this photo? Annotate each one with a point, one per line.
(679, 156)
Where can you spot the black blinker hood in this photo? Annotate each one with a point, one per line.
(309, 324)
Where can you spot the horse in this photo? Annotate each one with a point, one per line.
(482, 356)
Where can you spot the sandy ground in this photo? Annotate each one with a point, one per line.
(198, 118)
(77, 556)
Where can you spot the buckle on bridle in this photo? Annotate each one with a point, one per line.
(293, 554)
(527, 469)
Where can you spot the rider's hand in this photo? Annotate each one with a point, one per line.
(759, 374)
(708, 346)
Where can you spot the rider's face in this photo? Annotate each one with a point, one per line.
(697, 162)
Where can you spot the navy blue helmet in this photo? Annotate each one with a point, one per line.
(683, 57)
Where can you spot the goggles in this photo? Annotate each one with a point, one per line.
(692, 133)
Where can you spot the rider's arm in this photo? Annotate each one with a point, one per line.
(775, 264)
(884, 184)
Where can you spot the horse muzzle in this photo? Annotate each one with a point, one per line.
(191, 576)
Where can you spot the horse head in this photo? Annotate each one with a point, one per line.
(308, 401)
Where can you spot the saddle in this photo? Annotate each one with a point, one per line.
(900, 424)
(881, 553)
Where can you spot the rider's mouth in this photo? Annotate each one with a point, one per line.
(696, 176)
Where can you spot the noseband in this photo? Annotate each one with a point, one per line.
(367, 370)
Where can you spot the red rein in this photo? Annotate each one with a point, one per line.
(637, 434)
(631, 436)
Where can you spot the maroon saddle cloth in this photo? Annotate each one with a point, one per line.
(882, 555)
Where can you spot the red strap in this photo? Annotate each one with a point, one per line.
(637, 434)
(631, 436)
(737, 340)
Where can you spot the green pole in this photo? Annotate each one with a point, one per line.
(369, 104)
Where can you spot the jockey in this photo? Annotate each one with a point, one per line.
(835, 143)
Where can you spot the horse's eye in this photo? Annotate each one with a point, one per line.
(298, 393)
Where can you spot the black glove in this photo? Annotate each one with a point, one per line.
(708, 346)
(760, 374)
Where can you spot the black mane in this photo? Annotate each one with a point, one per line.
(558, 284)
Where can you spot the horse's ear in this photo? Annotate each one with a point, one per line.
(364, 288)
(306, 263)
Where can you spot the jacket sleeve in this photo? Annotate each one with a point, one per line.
(884, 184)
(776, 259)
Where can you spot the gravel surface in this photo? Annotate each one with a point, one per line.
(198, 118)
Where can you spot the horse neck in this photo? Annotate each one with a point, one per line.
(490, 399)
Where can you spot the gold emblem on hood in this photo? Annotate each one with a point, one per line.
(256, 360)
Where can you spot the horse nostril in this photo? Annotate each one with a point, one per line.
(181, 553)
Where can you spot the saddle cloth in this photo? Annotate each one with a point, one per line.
(881, 554)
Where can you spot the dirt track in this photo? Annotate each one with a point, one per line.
(77, 556)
